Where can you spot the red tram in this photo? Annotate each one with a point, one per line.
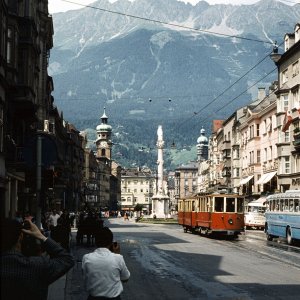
(212, 214)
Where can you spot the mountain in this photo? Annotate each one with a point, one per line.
(162, 73)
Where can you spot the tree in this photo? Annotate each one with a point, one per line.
(138, 207)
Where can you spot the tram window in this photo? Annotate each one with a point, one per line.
(207, 208)
(230, 205)
(193, 206)
(219, 204)
(198, 205)
(240, 203)
(202, 206)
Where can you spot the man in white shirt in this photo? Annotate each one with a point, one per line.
(104, 270)
(53, 218)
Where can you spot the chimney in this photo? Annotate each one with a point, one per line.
(261, 93)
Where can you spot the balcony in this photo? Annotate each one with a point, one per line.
(270, 166)
(296, 141)
(226, 172)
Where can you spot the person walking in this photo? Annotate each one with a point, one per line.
(104, 270)
(24, 277)
(53, 219)
(61, 234)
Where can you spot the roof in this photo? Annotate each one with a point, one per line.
(189, 166)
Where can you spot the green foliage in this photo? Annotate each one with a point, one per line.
(138, 207)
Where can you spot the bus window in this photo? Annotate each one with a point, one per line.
(240, 203)
(286, 205)
(281, 205)
(291, 205)
(296, 203)
(219, 204)
(277, 208)
(230, 205)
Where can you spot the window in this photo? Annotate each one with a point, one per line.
(102, 152)
(219, 204)
(286, 166)
(295, 98)
(270, 125)
(251, 157)
(257, 129)
(271, 153)
(285, 76)
(265, 126)
(287, 137)
(266, 154)
(258, 156)
(230, 205)
(1, 128)
(9, 47)
(295, 69)
(236, 153)
(285, 102)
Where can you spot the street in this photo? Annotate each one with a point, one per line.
(166, 263)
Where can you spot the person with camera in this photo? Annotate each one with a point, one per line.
(104, 270)
(28, 277)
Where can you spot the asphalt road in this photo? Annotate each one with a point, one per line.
(166, 263)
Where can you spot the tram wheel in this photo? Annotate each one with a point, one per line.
(269, 237)
(289, 236)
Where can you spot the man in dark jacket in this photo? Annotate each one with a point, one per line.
(24, 277)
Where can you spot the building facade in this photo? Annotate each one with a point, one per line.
(256, 151)
(137, 187)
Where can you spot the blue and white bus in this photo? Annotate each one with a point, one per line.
(283, 216)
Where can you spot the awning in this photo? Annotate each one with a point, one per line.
(258, 202)
(266, 178)
(245, 180)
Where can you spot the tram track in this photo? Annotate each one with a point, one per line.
(277, 250)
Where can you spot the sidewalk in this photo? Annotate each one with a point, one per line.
(56, 290)
(70, 286)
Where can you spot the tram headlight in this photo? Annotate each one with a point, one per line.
(230, 221)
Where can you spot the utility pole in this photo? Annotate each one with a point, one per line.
(38, 180)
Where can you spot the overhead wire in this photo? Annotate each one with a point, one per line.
(203, 31)
(228, 88)
(168, 23)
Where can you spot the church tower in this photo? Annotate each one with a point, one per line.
(202, 146)
(103, 141)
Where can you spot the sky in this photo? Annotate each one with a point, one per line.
(60, 6)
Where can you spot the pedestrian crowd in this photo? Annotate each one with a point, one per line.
(32, 258)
